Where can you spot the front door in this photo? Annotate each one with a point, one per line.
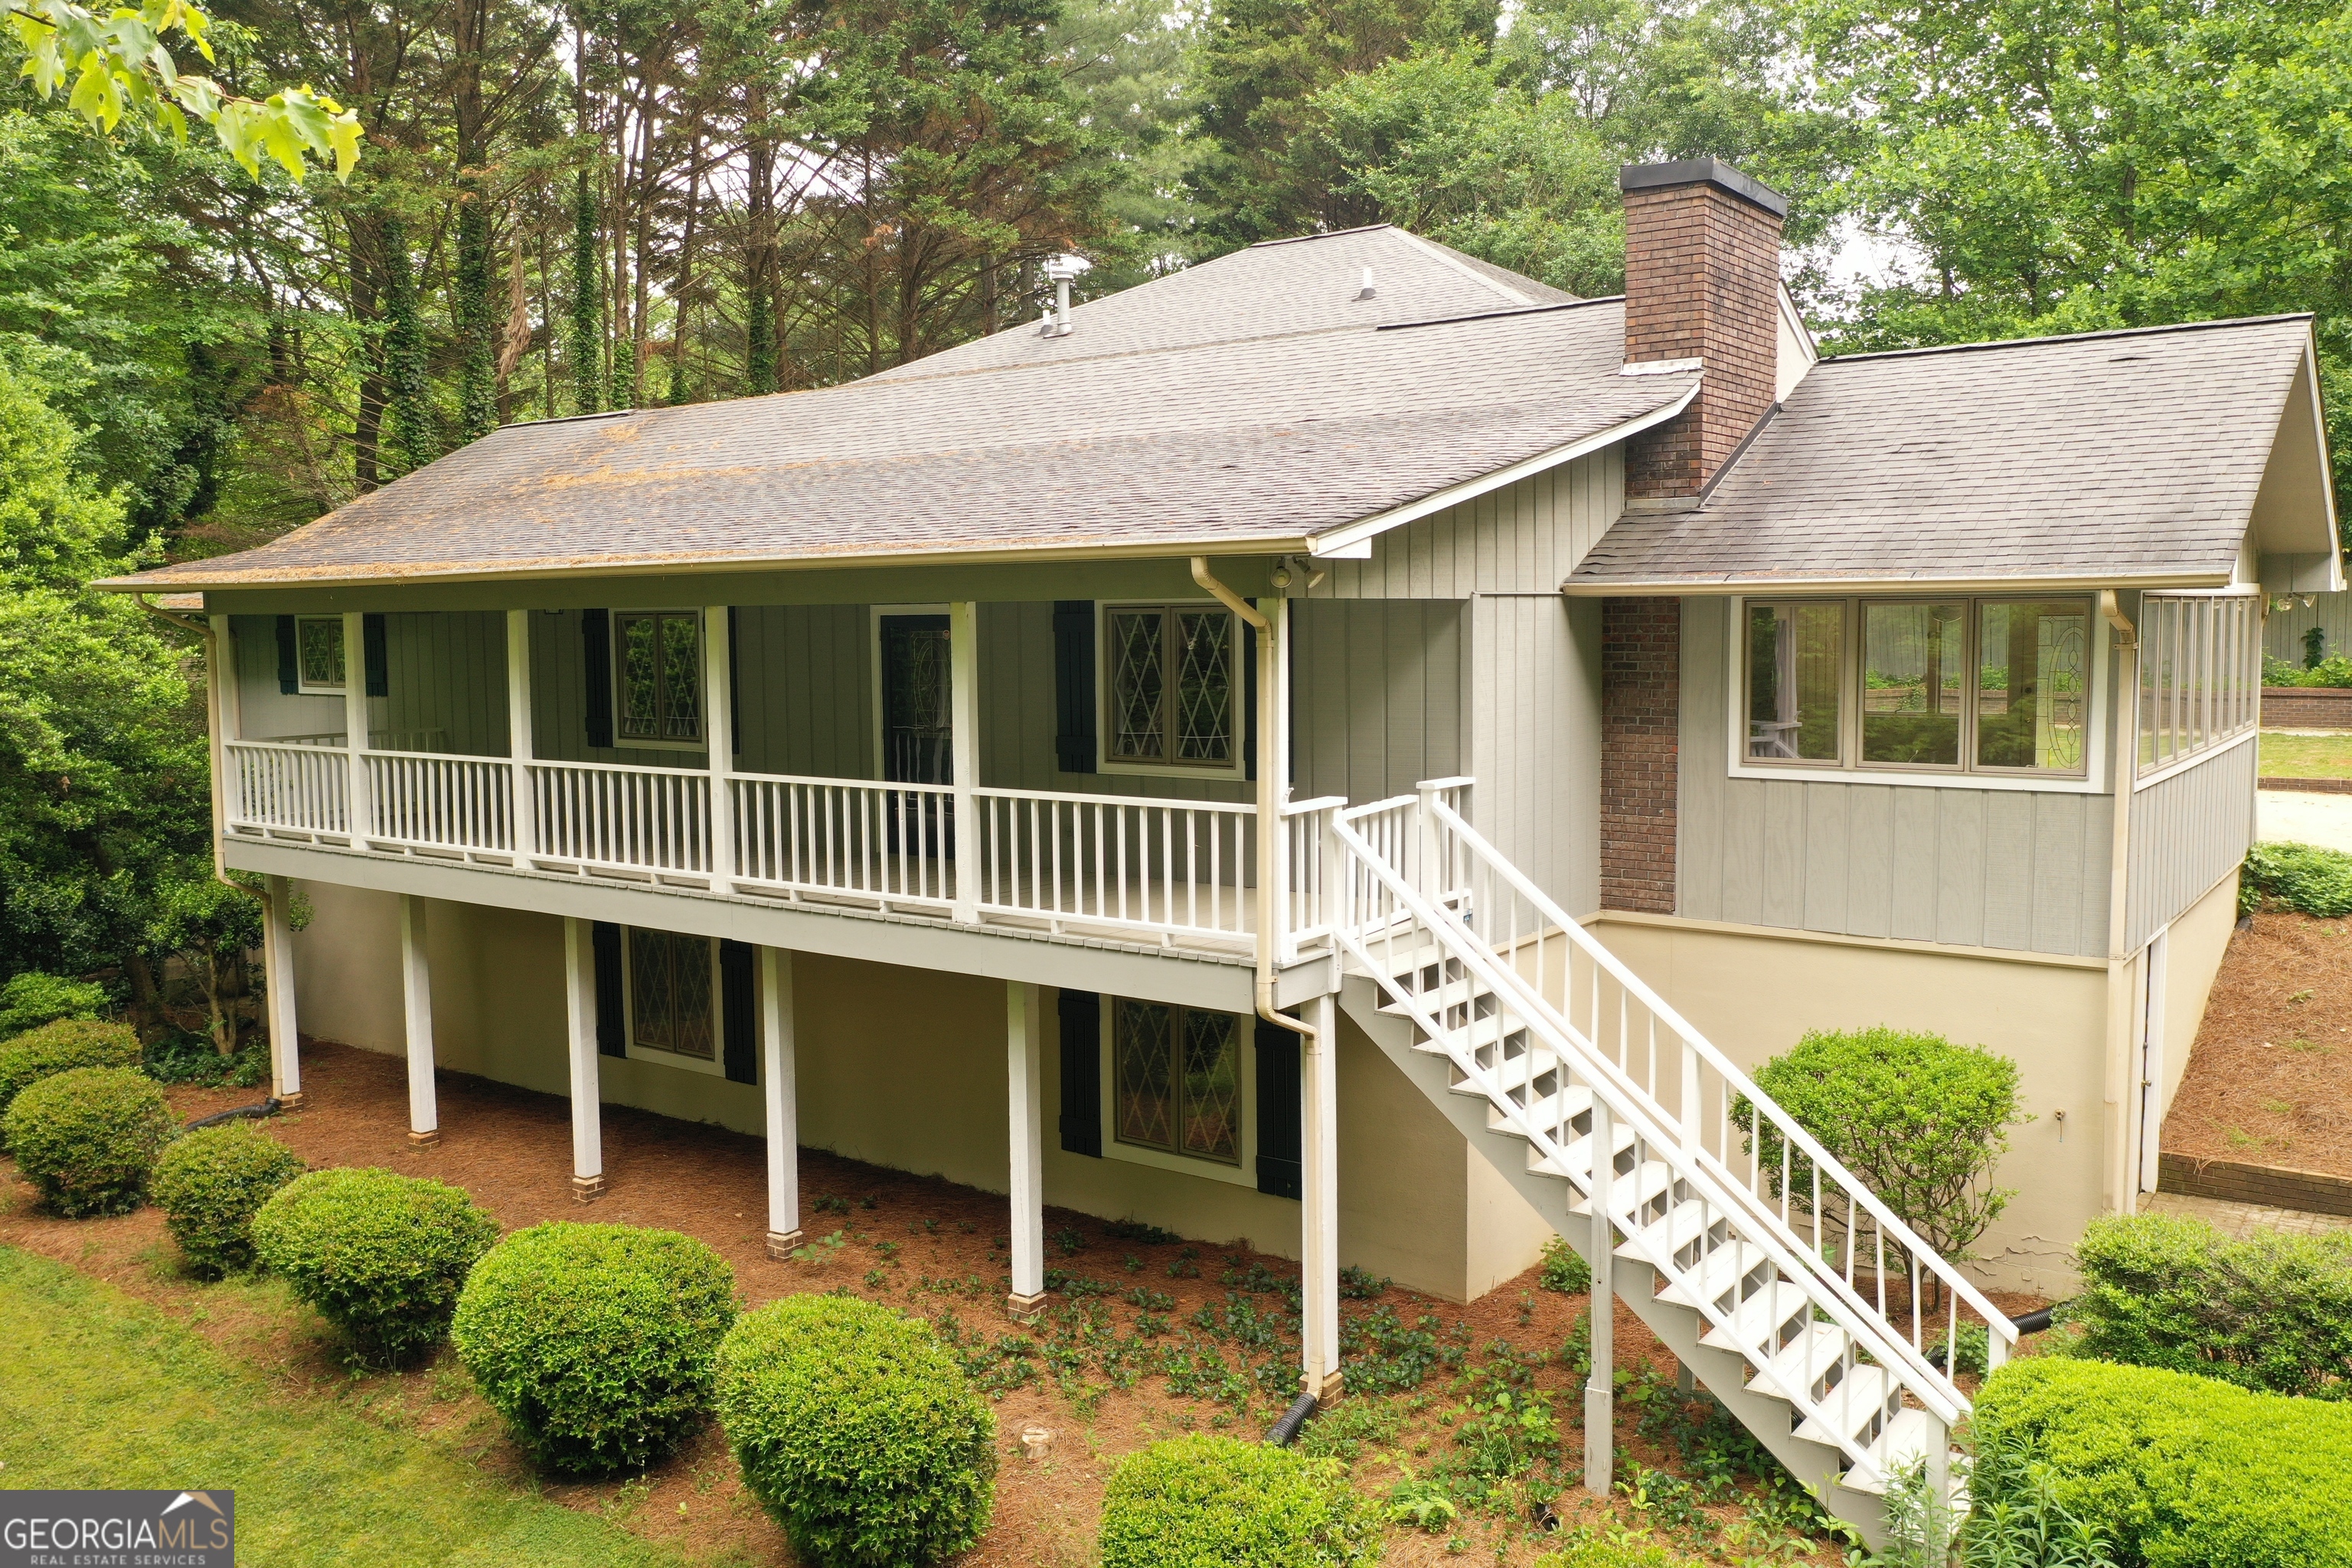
(918, 729)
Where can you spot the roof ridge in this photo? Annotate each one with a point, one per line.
(1447, 256)
(1537, 308)
(1303, 238)
(2069, 337)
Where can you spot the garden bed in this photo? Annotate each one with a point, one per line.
(2269, 1081)
(1146, 1336)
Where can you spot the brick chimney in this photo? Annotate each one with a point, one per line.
(1702, 283)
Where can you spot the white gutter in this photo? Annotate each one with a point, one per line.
(1751, 587)
(1353, 542)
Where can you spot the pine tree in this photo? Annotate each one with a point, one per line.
(587, 293)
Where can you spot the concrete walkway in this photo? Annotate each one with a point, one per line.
(2293, 816)
(2234, 1220)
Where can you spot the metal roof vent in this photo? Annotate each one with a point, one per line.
(1063, 269)
(1366, 291)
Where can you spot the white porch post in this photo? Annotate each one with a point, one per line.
(416, 1009)
(579, 1019)
(519, 736)
(963, 695)
(1318, 1165)
(355, 723)
(277, 982)
(777, 1085)
(719, 728)
(1601, 1388)
(1026, 1100)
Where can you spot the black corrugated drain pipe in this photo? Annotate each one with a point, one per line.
(267, 1108)
(1286, 1431)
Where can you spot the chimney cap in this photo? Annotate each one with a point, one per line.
(1702, 171)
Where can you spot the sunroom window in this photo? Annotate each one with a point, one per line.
(1171, 694)
(319, 652)
(1177, 1076)
(659, 684)
(1795, 676)
(2199, 673)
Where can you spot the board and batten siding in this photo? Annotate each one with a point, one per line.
(1524, 538)
(1533, 718)
(2187, 831)
(1376, 690)
(1945, 863)
(444, 674)
(2282, 630)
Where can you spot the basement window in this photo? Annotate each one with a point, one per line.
(1176, 1077)
(1171, 687)
(673, 996)
(318, 654)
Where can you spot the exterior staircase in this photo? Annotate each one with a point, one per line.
(1788, 1288)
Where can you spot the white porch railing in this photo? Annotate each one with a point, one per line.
(1115, 861)
(440, 802)
(618, 818)
(890, 843)
(294, 789)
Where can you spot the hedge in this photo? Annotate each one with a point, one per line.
(2174, 1470)
(595, 1341)
(88, 1138)
(858, 1431)
(380, 1256)
(1205, 1500)
(2300, 876)
(210, 1184)
(31, 999)
(59, 1047)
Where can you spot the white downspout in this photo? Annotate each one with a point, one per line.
(2122, 1055)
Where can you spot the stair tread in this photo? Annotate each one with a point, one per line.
(1898, 1447)
(1716, 1274)
(1452, 993)
(1849, 1407)
(1681, 1226)
(1806, 1358)
(1473, 1035)
(1760, 1316)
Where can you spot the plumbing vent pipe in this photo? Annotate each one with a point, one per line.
(1366, 291)
(1064, 270)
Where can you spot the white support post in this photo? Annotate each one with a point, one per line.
(1601, 1388)
(963, 697)
(719, 728)
(1025, 1101)
(1318, 1163)
(580, 1020)
(355, 723)
(416, 1009)
(519, 736)
(277, 982)
(1286, 859)
(777, 1084)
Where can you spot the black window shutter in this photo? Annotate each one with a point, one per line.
(1073, 685)
(734, 687)
(289, 658)
(1278, 1110)
(1082, 1073)
(596, 653)
(378, 663)
(739, 1011)
(612, 1028)
(1249, 700)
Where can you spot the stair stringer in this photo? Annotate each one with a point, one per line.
(1723, 1373)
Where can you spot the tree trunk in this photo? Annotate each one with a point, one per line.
(475, 312)
(759, 263)
(411, 430)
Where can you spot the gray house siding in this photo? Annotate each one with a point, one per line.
(2282, 630)
(446, 677)
(2187, 832)
(2000, 868)
(1522, 539)
(1534, 722)
(1376, 697)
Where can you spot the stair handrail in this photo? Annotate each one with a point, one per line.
(2003, 1334)
(1628, 1104)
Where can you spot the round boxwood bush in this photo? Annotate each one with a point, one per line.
(32, 998)
(62, 1047)
(88, 1138)
(595, 1341)
(858, 1431)
(210, 1184)
(1205, 1500)
(379, 1255)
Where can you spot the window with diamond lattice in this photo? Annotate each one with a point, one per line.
(661, 685)
(1177, 1081)
(671, 996)
(1170, 694)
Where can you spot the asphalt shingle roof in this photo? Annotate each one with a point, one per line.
(2105, 455)
(1247, 403)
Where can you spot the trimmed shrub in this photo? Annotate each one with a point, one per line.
(59, 1047)
(210, 1184)
(1564, 1268)
(2271, 1311)
(380, 1256)
(1919, 1121)
(1206, 1501)
(32, 999)
(2299, 876)
(88, 1138)
(595, 1341)
(2335, 670)
(2174, 1471)
(858, 1431)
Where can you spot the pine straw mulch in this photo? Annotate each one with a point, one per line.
(2269, 1078)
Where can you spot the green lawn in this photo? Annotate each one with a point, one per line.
(2306, 756)
(102, 1391)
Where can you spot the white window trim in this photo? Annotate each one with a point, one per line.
(1242, 1175)
(717, 1066)
(701, 677)
(2093, 779)
(1104, 762)
(307, 688)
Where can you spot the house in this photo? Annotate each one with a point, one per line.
(1314, 748)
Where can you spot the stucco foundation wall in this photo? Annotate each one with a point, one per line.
(1754, 995)
(907, 1068)
(2193, 949)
